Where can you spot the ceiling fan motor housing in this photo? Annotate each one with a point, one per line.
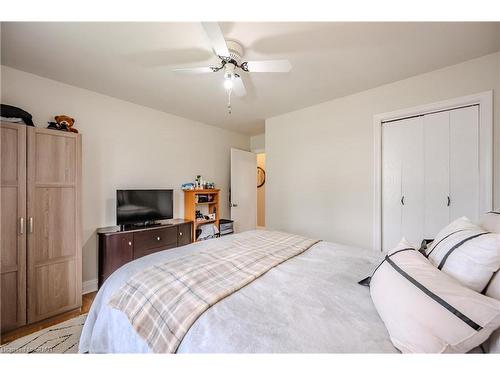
(235, 51)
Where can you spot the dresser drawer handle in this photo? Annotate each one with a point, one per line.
(180, 233)
(130, 243)
(158, 238)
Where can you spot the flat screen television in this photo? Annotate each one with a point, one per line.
(143, 206)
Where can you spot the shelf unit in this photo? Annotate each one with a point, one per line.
(191, 205)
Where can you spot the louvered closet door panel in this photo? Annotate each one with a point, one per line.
(13, 235)
(391, 184)
(412, 177)
(464, 163)
(437, 172)
(54, 247)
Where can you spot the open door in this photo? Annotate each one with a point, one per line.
(243, 190)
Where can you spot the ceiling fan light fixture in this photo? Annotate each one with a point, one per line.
(228, 84)
(229, 76)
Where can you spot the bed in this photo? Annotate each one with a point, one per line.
(311, 303)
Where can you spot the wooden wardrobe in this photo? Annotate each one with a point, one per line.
(40, 264)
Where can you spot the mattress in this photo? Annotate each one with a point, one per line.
(311, 303)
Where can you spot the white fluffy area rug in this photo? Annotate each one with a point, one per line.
(58, 339)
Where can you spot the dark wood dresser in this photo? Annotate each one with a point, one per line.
(118, 246)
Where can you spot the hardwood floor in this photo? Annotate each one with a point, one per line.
(87, 300)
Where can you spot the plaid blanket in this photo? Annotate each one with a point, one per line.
(163, 301)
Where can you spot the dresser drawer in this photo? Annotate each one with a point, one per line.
(150, 241)
(115, 250)
(184, 234)
(144, 252)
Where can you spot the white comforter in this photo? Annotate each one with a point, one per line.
(309, 304)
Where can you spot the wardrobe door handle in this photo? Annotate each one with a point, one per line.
(403, 200)
(449, 201)
(30, 224)
(21, 225)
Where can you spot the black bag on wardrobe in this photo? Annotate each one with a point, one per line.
(9, 111)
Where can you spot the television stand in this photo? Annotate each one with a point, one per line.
(118, 246)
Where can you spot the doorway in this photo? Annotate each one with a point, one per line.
(261, 190)
(243, 190)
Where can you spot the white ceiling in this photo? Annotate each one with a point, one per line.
(133, 61)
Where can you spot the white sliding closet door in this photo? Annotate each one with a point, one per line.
(391, 184)
(437, 172)
(464, 163)
(402, 181)
(412, 177)
(430, 173)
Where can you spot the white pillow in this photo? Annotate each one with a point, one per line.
(466, 252)
(427, 311)
(490, 221)
(494, 292)
(493, 289)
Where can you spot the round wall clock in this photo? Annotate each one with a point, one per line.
(261, 177)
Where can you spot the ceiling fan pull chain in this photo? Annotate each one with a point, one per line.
(229, 101)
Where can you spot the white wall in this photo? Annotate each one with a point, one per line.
(320, 159)
(125, 146)
(258, 143)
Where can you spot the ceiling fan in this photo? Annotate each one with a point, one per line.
(230, 54)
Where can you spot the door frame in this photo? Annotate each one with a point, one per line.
(485, 101)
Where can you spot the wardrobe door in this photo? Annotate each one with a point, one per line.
(54, 245)
(412, 180)
(464, 163)
(437, 172)
(391, 184)
(13, 215)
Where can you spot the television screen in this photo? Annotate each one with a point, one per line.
(140, 206)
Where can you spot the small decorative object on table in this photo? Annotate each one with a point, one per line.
(199, 216)
(198, 184)
(187, 186)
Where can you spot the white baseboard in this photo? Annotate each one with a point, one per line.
(89, 286)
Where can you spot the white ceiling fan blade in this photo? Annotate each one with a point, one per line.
(199, 70)
(216, 38)
(274, 66)
(239, 87)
